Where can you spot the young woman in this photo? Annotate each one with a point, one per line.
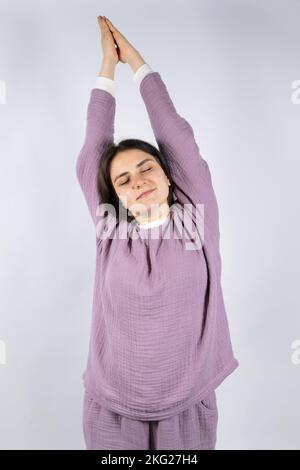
(160, 342)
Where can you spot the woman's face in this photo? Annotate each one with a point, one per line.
(133, 172)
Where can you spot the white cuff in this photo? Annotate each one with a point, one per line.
(141, 72)
(105, 83)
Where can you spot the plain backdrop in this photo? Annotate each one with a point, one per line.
(230, 67)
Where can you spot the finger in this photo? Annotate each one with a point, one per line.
(104, 27)
(111, 26)
(101, 22)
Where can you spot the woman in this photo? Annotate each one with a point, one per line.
(160, 342)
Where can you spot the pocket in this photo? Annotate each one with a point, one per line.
(209, 403)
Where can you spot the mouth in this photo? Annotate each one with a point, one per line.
(146, 193)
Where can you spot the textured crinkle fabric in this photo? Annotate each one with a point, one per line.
(193, 428)
(160, 340)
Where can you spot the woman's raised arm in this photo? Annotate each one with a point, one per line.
(99, 122)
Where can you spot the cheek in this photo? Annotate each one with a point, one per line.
(163, 187)
(125, 195)
(163, 193)
(158, 180)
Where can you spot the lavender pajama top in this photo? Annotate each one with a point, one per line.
(159, 338)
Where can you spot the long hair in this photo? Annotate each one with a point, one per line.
(106, 191)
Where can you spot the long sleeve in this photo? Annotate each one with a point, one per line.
(141, 72)
(108, 84)
(99, 133)
(105, 83)
(176, 141)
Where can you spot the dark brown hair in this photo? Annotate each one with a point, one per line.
(106, 191)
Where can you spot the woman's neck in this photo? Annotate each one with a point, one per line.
(161, 214)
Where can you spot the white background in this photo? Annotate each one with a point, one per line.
(229, 66)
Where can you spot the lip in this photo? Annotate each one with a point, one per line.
(146, 193)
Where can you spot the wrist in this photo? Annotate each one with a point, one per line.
(108, 67)
(135, 61)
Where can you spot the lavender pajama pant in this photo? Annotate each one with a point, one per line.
(193, 428)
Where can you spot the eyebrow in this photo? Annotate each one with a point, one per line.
(137, 166)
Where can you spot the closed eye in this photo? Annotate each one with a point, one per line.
(143, 171)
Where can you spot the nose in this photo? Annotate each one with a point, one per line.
(138, 182)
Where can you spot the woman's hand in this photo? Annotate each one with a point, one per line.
(126, 52)
(109, 47)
